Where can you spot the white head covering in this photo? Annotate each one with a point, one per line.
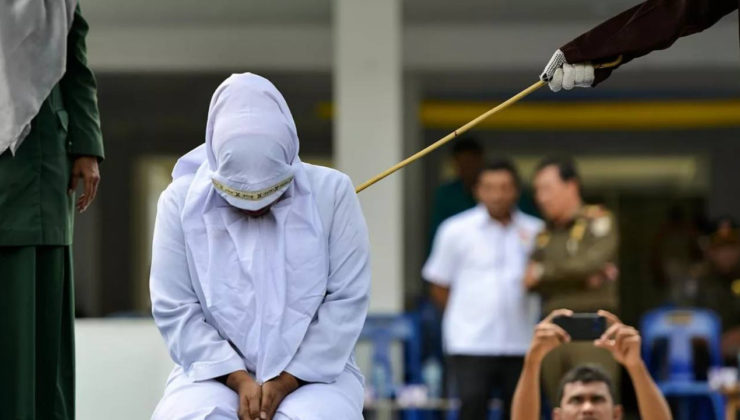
(263, 278)
(33, 53)
(251, 142)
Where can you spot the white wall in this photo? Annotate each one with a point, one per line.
(369, 130)
(426, 47)
(122, 368)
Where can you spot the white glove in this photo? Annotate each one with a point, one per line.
(559, 74)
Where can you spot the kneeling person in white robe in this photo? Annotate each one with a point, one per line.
(260, 273)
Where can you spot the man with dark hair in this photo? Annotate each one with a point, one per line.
(566, 167)
(475, 270)
(588, 374)
(457, 196)
(573, 262)
(587, 391)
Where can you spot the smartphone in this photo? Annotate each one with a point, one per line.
(583, 326)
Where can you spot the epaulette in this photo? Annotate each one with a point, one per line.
(595, 212)
(599, 220)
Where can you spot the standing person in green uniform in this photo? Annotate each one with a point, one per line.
(50, 141)
(573, 262)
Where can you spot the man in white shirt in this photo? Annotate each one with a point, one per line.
(476, 269)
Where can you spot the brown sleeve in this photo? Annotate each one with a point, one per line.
(650, 26)
(538, 255)
(549, 286)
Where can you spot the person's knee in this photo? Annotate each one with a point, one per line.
(221, 415)
(213, 413)
(208, 400)
(323, 405)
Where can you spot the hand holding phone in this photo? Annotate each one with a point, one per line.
(582, 326)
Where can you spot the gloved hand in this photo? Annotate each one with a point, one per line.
(560, 74)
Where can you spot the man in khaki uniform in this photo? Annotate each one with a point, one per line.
(572, 266)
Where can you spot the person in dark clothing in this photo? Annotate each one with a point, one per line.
(50, 141)
(457, 196)
(649, 26)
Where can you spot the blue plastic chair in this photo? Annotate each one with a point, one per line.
(382, 331)
(678, 327)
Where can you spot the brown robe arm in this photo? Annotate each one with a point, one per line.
(647, 27)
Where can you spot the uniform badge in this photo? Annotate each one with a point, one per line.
(578, 230)
(601, 226)
(576, 236)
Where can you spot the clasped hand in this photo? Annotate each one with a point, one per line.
(260, 402)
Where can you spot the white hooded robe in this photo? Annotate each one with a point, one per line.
(287, 291)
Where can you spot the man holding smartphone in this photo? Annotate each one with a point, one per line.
(587, 391)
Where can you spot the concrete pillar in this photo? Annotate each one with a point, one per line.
(368, 130)
(415, 200)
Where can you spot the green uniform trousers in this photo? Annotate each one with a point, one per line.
(36, 333)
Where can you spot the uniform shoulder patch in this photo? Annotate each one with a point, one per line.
(595, 211)
(601, 226)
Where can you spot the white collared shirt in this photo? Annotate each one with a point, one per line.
(489, 311)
